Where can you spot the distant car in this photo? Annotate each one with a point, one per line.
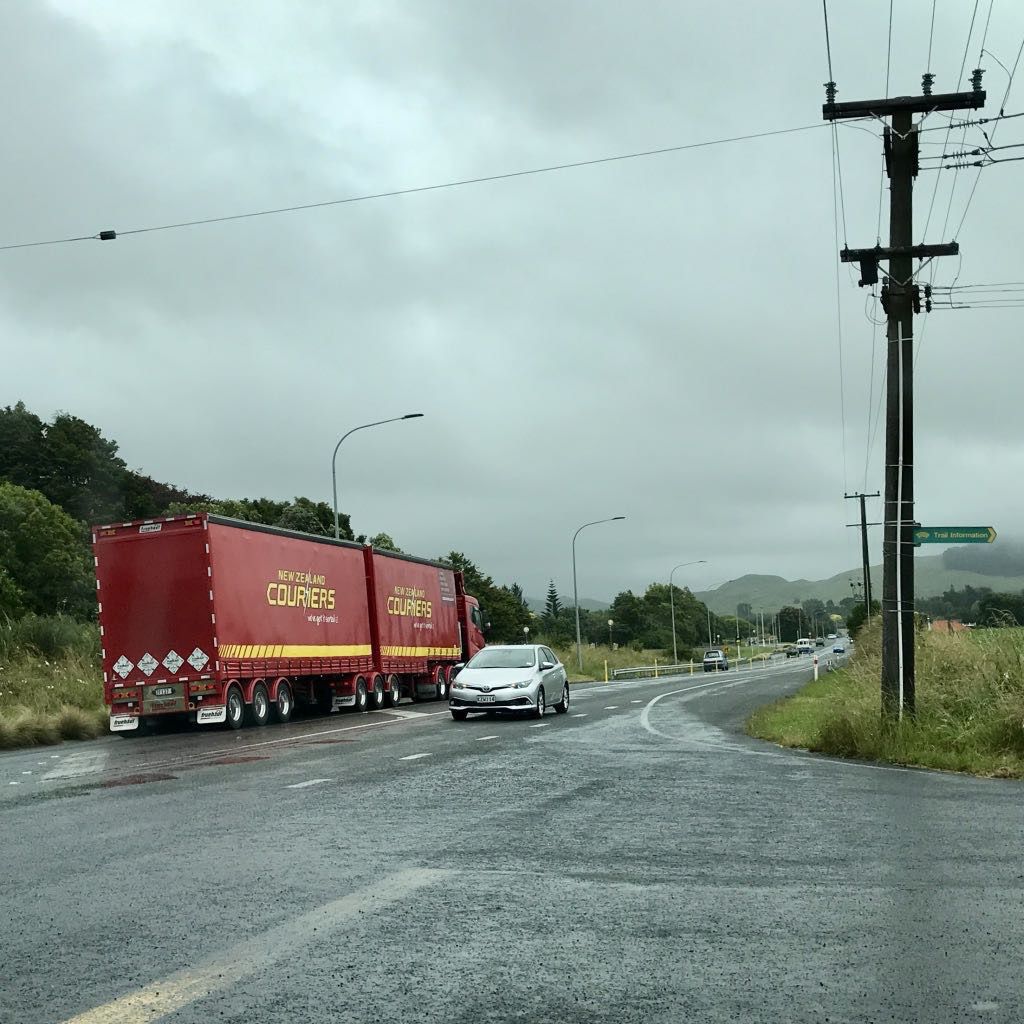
(715, 661)
(519, 679)
(831, 636)
(819, 641)
(792, 652)
(839, 647)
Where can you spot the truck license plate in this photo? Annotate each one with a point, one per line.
(123, 723)
(485, 700)
(163, 691)
(211, 715)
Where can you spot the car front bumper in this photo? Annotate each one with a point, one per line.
(504, 700)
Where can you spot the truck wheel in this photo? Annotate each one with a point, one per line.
(440, 683)
(395, 693)
(259, 709)
(361, 698)
(235, 708)
(284, 705)
(377, 694)
(459, 716)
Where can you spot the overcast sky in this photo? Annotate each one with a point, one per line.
(653, 338)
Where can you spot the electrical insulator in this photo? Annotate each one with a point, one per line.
(915, 298)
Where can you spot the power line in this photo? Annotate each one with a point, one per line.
(828, 45)
(109, 234)
(931, 36)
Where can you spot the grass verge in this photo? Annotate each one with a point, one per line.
(50, 683)
(970, 707)
(594, 660)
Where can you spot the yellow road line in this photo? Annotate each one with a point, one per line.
(160, 998)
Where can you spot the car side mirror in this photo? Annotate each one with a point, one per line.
(547, 664)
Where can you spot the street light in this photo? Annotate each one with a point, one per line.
(575, 591)
(611, 622)
(672, 603)
(334, 472)
(526, 634)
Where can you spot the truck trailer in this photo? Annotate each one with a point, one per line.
(224, 621)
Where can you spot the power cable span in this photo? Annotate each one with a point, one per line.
(109, 235)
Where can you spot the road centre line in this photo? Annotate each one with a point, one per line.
(255, 956)
(308, 782)
(581, 715)
(414, 757)
(636, 702)
(611, 707)
(538, 725)
(480, 739)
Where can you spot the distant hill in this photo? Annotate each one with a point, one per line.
(975, 566)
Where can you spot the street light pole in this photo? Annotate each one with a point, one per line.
(334, 457)
(672, 604)
(575, 590)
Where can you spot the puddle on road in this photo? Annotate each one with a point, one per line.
(137, 780)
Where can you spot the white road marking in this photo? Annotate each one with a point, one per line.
(611, 707)
(13, 783)
(413, 757)
(308, 782)
(26, 773)
(581, 715)
(539, 725)
(636, 702)
(480, 739)
(255, 957)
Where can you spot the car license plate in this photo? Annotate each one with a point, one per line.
(485, 700)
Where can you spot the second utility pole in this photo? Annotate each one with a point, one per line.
(865, 560)
(900, 299)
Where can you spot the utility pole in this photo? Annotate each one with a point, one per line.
(900, 300)
(864, 546)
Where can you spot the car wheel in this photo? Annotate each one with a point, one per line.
(541, 706)
(235, 708)
(563, 705)
(284, 704)
(459, 716)
(259, 709)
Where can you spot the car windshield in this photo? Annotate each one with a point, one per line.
(712, 654)
(504, 657)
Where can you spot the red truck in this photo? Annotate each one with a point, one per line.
(226, 621)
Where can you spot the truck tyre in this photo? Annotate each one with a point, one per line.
(361, 698)
(235, 708)
(441, 683)
(377, 693)
(459, 716)
(259, 709)
(541, 707)
(285, 704)
(395, 693)
(563, 705)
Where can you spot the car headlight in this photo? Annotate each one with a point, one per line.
(523, 685)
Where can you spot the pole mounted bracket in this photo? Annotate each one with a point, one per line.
(869, 258)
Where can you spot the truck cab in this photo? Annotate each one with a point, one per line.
(471, 620)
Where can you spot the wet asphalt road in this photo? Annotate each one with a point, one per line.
(644, 862)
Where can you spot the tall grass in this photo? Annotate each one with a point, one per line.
(970, 706)
(50, 681)
(594, 659)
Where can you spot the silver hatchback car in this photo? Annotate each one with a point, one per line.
(525, 678)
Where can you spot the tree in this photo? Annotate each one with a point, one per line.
(856, 619)
(552, 606)
(790, 621)
(505, 614)
(384, 542)
(44, 555)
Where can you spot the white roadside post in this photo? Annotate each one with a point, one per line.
(815, 668)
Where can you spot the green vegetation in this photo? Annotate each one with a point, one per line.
(594, 659)
(50, 684)
(970, 706)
